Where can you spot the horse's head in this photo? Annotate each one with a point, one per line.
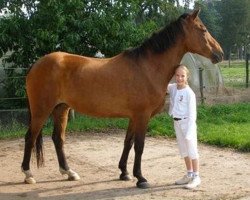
(198, 39)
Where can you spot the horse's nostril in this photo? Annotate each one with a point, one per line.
(217, 57)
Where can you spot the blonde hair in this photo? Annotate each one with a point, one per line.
(181, 66)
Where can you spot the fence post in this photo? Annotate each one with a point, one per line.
(247, 69)
(201, 85)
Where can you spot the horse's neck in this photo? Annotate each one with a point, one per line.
(163, 65)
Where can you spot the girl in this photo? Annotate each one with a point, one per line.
(183, 110)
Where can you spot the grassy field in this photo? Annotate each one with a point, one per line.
(235, 75)
(220, 125)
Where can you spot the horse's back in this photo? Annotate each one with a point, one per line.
(57, 66)
(59, 61)
(89, 85)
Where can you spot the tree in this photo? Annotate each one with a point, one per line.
(210, 16)
(235, 24)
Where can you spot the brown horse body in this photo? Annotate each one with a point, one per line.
(131, 85)
(114, 87)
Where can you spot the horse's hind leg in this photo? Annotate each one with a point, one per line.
(60, 118)
(33, 138)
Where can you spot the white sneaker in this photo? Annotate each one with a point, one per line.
(186, 179)
(196, 181)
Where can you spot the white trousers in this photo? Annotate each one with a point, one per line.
(187, 147)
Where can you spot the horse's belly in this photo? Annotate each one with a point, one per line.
(99, 107)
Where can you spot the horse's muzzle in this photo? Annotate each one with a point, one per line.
(217, 57)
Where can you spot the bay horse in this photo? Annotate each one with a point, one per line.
(129, 85)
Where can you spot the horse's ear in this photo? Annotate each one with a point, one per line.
(195, 13)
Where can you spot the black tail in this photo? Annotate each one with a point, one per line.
(39, 150)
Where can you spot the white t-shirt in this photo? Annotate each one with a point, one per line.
(183, 105)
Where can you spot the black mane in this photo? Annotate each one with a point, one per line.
(159, 41)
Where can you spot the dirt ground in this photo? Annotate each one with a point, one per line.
(225, 173)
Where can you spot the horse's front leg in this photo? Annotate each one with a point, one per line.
(140, 132)
(128, 143)
(139, 146)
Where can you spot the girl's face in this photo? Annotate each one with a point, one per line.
(181, 78)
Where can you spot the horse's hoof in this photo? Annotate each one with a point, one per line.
(142, 185)
(29, 180)
(74, 177)
(125, 177)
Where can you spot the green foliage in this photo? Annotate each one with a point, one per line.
(210, 17)
(235, 24)
(228, 21)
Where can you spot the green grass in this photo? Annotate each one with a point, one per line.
(84, 123)
(225, 125)
(12, 130)
(80, 124)
(235, 75)
(219, 125)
